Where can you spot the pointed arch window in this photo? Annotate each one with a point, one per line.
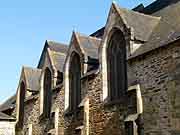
(116, 66)
(21, 105)
(74, 81)
(47, 93)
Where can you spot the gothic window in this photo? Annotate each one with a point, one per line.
(47, 93)
(75, 82)
(116, 65)
(21, 104)
(59, 77)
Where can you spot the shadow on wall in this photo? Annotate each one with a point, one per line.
(107, 120)
(74, 122)
(28, 117)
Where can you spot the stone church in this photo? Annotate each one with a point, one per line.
(124, 79)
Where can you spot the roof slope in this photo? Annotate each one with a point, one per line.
(5, 117)
(32, 77)
(143, 25)
(57, 47)
(89, 44)
(58, 59)
(9, 103)
(57, 53)
(157, 6)
(100, 32)
(166, 31)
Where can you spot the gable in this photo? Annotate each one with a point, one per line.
(57, 60)
(142, 25)
(32, 78)
(42, 57)
(47, 62)
(53, 55)
(89, 44)
(166, 32)
(73, 47)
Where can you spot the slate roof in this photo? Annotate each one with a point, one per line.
(57, 47)
(167, 31)
(157, 5)
(143, 25)
(158, 29)
(57, 53)
(32, 76)
(8, 104)
(58, 59)
(6, 117)
(89, 44)
(99, 33)
(139, 8)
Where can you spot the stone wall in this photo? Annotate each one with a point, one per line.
(157, 72)
(31, 116)
(42, 126)
(59, 104)
(105, 118)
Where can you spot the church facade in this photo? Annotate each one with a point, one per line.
(121, 80)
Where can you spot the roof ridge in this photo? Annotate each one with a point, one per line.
(87, 36)
(32, 68)
(6, 117)
(139, 21)
(14, 95)
(48, 41)
(158, 5)
(134, 12)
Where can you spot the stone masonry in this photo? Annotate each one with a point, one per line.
(149, 106)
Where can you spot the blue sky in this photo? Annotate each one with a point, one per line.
(25, 25)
